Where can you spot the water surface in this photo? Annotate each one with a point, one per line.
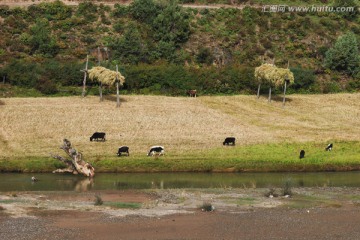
(108, 181)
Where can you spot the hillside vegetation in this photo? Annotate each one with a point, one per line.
(269, 137)
(164, 48)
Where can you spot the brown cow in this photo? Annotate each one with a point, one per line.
(192, 93)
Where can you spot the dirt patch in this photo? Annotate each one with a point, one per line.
(107, 196)
(176, 214)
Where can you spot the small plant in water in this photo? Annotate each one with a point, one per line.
(207, 207)
(98, 200)
(287, 187)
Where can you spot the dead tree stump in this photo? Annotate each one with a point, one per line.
(76, 165)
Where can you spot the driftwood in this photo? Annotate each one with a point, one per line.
(76, 165)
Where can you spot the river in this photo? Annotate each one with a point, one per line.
(109, 181)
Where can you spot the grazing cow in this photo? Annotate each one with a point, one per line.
(156, 150)
(191, 93)
(302, 154)
(229, 140)
(98, 136)
(123, 149)
(329, 147)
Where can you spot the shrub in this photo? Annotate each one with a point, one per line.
(304, 78)
(204, 56)
(287, 187)
(331, 87)
(354, 84)
(22, 73)
(120, 11)
(98, 200)
(207, 207)
(271, 193)
(46, 86)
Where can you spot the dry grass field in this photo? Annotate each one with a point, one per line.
(36, 126)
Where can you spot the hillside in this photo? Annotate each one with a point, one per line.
(213, 49)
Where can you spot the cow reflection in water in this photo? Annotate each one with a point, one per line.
(84, 185)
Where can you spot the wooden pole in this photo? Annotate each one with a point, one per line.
(100, 84)
(117, 89)
(100, 91)
(98, 52)
(4, 79)
(284, 94)
(85, 76)
(269, 94)
(286, 80)
(258, 92)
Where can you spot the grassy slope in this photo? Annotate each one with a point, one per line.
(269, 137)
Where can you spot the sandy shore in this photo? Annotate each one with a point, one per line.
(310, 213)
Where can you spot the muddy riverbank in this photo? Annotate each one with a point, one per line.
(310, 213)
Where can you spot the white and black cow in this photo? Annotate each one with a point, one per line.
(156, 151)
(124, 150)
(329, 147)
(229, 140)
(98, 136)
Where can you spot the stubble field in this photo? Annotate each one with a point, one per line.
(186, 127)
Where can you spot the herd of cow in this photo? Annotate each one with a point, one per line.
(154, 150)
(159, 150)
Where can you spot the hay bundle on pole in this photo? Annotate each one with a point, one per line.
(269, 73)
(106, 77)
(261, 75)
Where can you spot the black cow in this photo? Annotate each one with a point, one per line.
(229, 140)
(98, 136)
(302, 154)
(329, 147)
(156, 150)
(123, 149)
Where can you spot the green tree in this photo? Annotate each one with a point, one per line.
(172, 24)
(88, 10)
(41, 41)
(129, 48)
(144, 10)
(344, 56)
(351, 5)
